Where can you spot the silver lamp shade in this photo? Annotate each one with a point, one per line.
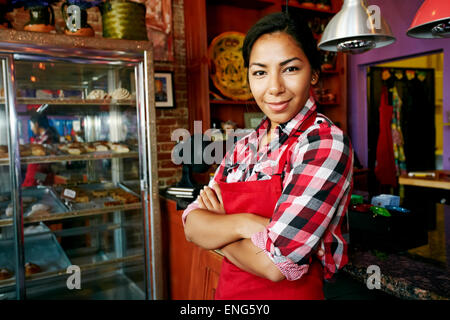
(353, 29)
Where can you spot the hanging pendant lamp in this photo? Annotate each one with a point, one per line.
(354, 30)
(432, 20)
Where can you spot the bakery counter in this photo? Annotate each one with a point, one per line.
(421, 272)
(403, 276)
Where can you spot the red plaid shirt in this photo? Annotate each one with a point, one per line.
(311, 212)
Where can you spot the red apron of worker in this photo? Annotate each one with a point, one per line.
(260, 197)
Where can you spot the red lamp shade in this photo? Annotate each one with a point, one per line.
(432, 20)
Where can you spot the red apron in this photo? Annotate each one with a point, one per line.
(385, 169)
(260, 197)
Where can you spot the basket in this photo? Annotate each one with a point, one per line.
(123, 19)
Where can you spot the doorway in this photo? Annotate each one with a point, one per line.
(413, 90)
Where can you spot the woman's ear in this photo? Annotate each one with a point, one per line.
(314, 78)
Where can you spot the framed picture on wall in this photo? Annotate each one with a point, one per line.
(252, 119)
(164, 93)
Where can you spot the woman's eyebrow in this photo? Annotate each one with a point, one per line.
(281, 63)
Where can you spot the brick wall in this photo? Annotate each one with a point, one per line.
(167, 119)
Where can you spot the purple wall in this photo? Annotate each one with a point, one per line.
(399, 15)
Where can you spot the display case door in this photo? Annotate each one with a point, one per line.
(12, 281)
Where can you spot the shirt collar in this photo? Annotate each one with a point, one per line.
(289, 127)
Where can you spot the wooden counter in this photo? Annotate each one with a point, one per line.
(440, 181)
(192, 273)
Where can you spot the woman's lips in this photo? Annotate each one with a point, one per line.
(278, 106)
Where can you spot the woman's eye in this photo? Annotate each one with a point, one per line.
(258, 73)
(291, 69)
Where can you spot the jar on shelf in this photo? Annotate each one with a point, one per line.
(323, 4)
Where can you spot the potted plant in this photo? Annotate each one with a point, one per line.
(85, 28)
(42, 16)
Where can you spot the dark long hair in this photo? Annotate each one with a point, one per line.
(42, 121)
(293, 25)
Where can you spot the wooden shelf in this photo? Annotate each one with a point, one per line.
(99, 155)
(425, 182)
(249, 4)
(295, 4)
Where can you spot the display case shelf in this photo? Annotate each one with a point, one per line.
(81, 157)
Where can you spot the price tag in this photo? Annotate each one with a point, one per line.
(69, 194)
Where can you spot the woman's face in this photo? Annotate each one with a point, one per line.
(280, 76)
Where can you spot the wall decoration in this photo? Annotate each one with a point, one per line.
(160, 28)
(164, 92)
(252, 119)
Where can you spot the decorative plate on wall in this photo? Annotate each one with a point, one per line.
(227, 69)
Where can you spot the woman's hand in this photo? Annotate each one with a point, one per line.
(211, 199)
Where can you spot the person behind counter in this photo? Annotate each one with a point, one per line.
(280, 220)
(43, 133)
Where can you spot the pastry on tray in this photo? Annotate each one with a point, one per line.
(5, 274)
(99, 193)
(112, 203)
(37, 150)
(120, 94)
(90, 147)
(119, 148)
(97, 94)
(39, 209)
(31, 268)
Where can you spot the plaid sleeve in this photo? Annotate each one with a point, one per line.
(310, 212)
(218, 174)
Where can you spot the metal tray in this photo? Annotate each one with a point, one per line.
(43, 195)
(41, 249)
(95, 203)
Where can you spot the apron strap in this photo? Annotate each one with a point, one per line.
(309, 121)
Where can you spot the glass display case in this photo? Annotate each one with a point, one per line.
(79, 211)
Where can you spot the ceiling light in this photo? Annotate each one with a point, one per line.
(355, 29)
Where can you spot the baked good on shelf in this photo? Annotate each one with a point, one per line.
(5, 274)
(25, 150)
(123, 196)
(120, 148)
(89, 147)
(31, 268)
(37, 150)
(9, 211)
(82, 196)
(120, 94)
(74, 151)
(101, 147)
(3, 149)
(112, 203)
(97, 94)
(39, 209)
(99, 193)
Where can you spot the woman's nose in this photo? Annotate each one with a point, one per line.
(276, 85)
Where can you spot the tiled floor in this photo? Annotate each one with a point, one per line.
(347, 288)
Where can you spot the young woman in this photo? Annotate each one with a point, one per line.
(277, 205)
(43, 133)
